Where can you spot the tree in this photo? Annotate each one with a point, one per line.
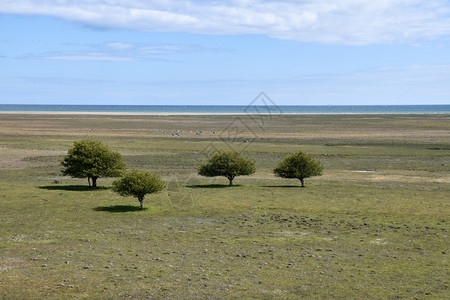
(227, 163)
(298, 165)
(137, 183)
(91, 159)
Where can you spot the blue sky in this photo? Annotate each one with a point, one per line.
(224, 52)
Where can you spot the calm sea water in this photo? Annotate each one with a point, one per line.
(238, 109)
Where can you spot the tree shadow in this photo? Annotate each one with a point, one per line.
(283, 186)
(211, 186)
(119, 208)
(73, 188)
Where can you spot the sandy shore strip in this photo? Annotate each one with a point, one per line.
(118, 113)
(195, 114)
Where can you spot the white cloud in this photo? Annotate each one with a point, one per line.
(87, 57)
(116, 51)
(355, 22)
(79, 56)
(119, 45)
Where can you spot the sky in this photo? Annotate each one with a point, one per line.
(201, 52)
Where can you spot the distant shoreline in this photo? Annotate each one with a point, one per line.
(113, 113)
(69, 113)
(253, 109)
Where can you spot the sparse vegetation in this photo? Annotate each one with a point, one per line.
(374, 226)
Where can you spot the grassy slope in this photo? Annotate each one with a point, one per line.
(349, 234)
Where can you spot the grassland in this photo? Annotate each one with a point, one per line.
(374, 226)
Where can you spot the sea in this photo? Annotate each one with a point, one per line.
(230, 109)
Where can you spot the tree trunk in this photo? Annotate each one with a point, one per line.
(94, 182)
(302, 181)
(141, 202)
(231, 180)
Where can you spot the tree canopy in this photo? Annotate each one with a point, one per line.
(137, 183)
(227, 163)
(91, 159)
(298, 165)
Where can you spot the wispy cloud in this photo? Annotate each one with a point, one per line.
(355, 22)
(86, 57)
(119, 45)
(78, 56)
(117, 51)
(418, 84)
(414, 84)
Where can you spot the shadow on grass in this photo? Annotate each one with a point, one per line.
(119, 208)
(283, 186)
(211, 186)
(76, 188)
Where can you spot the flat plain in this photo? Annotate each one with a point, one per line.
(374, 226)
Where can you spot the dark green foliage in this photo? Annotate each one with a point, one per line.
(91, 159)
(298, 165)
(137, 183)
(227, 163)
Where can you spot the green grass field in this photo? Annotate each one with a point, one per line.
(374, 226)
